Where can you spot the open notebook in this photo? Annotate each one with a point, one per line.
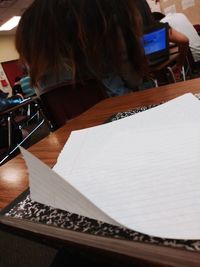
(141, 172)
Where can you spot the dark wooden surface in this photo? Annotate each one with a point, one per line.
(138, 254)
(14, 176)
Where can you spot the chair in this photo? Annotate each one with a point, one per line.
(197, 28)
(15, 119)
(68, 100)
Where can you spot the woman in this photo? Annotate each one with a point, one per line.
(176, 37)
(75, 39)
(17, 89)
(182, 24)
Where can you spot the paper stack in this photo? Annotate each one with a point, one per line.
(141, 172)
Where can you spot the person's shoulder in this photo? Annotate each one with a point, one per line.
(25, 78)
(173, 17)
(180, 16)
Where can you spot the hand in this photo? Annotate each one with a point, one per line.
(20, 95)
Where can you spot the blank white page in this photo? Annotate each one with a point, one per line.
(143, 171)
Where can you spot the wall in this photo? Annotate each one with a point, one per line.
(191, 8)
(7, 48)
(4, 87)
(154, 7)
(7, 53)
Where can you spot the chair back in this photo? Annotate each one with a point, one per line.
(197, 28)
(68, 100)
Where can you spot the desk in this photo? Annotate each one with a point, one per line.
(173, 56)
(165, 67)
(8, 113)
(14, 177)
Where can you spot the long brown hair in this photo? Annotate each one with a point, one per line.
(83, 34)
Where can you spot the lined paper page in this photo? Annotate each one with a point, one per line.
(143, 170)
(49, 188)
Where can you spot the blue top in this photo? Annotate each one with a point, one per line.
(114, 84)
(26, 87)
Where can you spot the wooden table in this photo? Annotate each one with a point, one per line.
(14, 176)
